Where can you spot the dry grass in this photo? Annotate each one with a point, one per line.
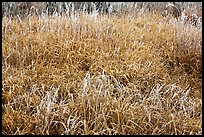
(101, 75)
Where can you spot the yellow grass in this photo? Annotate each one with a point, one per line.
(101, 75)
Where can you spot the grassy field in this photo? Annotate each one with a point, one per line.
(87, 74)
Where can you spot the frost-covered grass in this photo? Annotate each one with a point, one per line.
(101, 74)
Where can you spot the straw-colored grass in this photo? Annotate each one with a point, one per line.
(101, 75)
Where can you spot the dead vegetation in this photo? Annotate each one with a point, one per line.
(100, 74)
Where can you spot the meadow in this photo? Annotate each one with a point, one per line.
(101, 74)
